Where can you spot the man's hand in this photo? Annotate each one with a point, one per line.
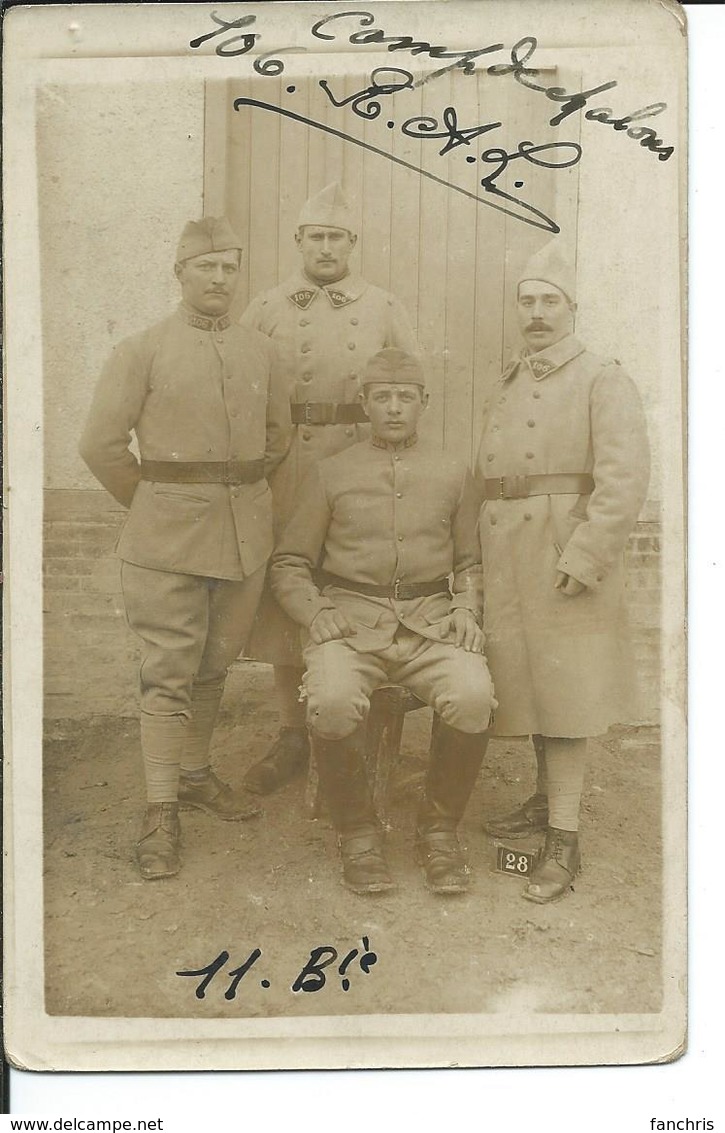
(465, 630)
(568, 584)
(329, 625)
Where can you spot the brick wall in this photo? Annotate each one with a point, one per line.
(91, 656)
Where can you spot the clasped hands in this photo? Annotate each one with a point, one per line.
(332, 625)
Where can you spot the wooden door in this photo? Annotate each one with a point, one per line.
(451, 259)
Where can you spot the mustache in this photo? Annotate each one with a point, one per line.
(538, 326)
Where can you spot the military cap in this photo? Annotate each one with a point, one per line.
(328, 208)
(550, 266)
(210, 234)
(394, 367)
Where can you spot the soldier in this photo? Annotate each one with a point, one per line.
(388, 521)
(563, 469)
(211, 416)
(327, 321)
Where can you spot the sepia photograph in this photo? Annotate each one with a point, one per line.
(345, 496)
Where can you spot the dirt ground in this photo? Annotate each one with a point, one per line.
(114, 943)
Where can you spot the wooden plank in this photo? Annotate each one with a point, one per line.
(460, 274)
(293, 172)
(405, 196)
(317, 140)
(238, 181)
(264, 188)
(433, 248)
(352, 165)
(490, 243)
(377, 196)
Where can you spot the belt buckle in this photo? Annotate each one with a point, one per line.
(396, 590)
(228, 472)
(307, 410)
(514, 488)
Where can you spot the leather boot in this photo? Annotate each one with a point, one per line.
(287, 758)
(455, 761)
(157, 850)
(344, 783)
(557, 867)
(531, 817)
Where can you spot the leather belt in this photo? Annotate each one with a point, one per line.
(551, 484)
(401, 591)
(327, 413)
(203, 471)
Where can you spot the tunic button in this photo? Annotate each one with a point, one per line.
(235, 491)
(351, 345)
(531, 423)
(527, 515)
(304, 322)
(501, 400)
(349, 432)
(354, 321)
(307, 377)
(219, 337)
(400, 538)
(233, 412)
(305, 348)
(306, 436)
(495, 428)
(490, 457)
(396, 458)
(529, 456)
(352, 375)
(492, 520)
(536, 394)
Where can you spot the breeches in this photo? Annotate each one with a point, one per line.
(339, 681)
(192, 628)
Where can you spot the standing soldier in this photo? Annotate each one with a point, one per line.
(211, 416)
(563, 469)
(327, 321)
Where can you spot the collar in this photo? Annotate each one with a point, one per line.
(302, 291)
(204, 322)
(545, 362)
(378, 442)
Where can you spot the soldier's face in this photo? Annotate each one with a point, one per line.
(208, 282)
(545, 314)
(325, 252)
(394, 410)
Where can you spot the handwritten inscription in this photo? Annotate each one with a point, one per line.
(313, 975)
(233, 37)
(561, 155)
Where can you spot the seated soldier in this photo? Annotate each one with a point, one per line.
(388, 521)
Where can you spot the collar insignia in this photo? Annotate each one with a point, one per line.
(540, 367)
(338, 298)
(303, 297)
(378, 442)
(202, 322)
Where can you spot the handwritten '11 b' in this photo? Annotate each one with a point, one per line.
(312, 976)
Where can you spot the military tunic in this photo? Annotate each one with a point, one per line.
(561, 664)
(193, 389)
(325, 336)
(383, 514)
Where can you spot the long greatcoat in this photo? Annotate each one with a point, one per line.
(324, 336)
(561, 665)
